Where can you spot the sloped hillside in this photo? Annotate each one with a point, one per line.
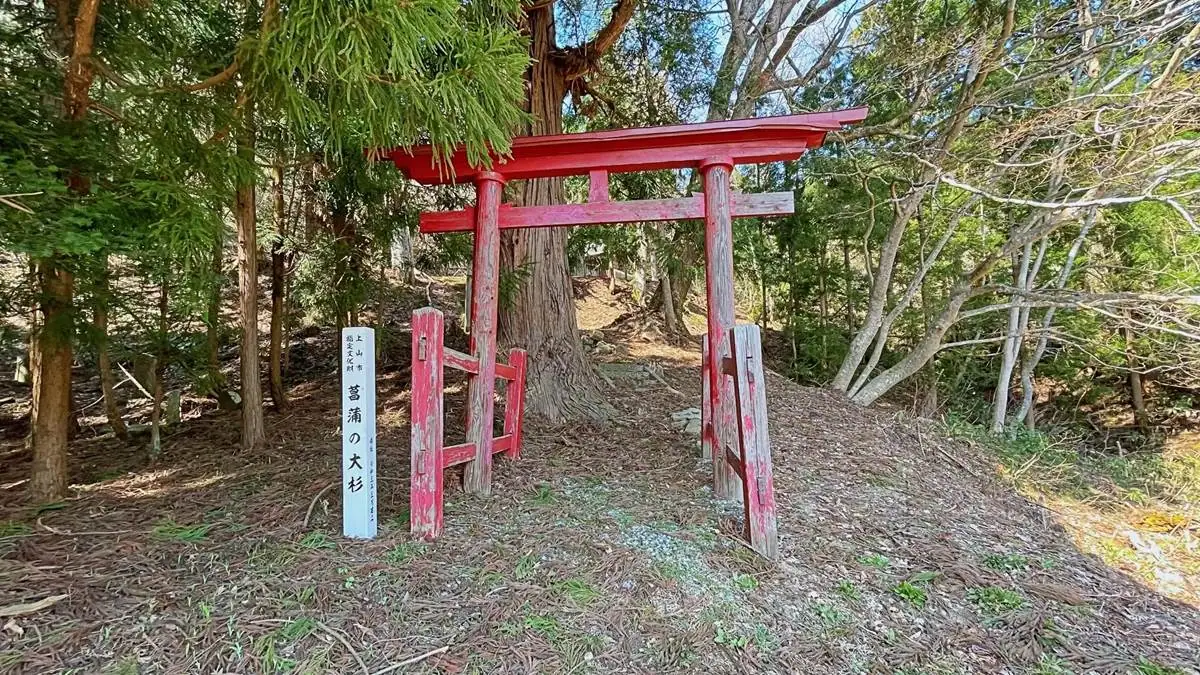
(600, 551)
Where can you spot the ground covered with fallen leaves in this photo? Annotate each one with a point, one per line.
(600, 551)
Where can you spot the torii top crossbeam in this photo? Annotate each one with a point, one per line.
(747, 141)
(713, 148)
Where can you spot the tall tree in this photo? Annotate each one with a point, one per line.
(53, 355)
(541, 317)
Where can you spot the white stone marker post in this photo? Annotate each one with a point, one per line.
(359, 514)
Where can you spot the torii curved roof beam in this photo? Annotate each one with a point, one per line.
(746, 141)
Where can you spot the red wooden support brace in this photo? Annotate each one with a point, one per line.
(514, 404)
(425, 512)
(705, 403)
(718, 251)
(485, 277)
(758, 489)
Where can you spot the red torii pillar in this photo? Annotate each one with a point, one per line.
(713, 148)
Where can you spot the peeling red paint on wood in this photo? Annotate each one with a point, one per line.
(426, 496)
(718, 250)
(485, 283)
(514, 403)
(608, 212)
(430, 456)
(758, 488)
(597, 186)
(705, 403)
(461, 361)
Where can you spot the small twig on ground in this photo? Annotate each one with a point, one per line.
(658, 377)
(30, 607)
(313, 504)
(342, 639)
(410, 661)
(952, 458)
(64, 533)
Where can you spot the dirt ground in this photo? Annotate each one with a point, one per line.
(600, 551)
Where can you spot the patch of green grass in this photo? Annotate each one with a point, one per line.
(832, 618)
(1147, 667)
(577, 591)
(510, 628)
(848, 590)
(1006, 562)
(669, 570)
(125, 666)
(911, 592)
(169, 529)
(993, 600)
(491, 578)
(12, 528)
(403, 552)
(306, 595)
(400, 521)
(546, 626)
(746, 582)
(876, 560)
(764, 639)
(1051, 665)
(48, 507)
(622, 518)
(543, 494)
(317, 540)
(730, 638)
(525, 567)
(297, 629)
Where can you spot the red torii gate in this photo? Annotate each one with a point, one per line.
(732, 416)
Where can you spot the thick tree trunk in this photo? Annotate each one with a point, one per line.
(253, 432)
(278, 394)
(52, 354)
(559, 380)
(103, 360)
(52, 358)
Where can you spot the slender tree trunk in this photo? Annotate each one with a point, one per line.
(559, 380)
(677, 280)
(278, 263)
(1013, 337)
(103, 360)
(253, 431)
(160, 374)
(212, 330)
(1137, 393)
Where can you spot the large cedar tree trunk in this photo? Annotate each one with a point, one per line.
(52, 384)
(540, 315)
(52, 345)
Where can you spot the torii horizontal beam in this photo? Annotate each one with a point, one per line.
(606, 212)
(747, 141)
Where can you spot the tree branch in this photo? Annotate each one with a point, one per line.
(213, 81)
(578, 61)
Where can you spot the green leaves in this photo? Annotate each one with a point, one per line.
(383, 73)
